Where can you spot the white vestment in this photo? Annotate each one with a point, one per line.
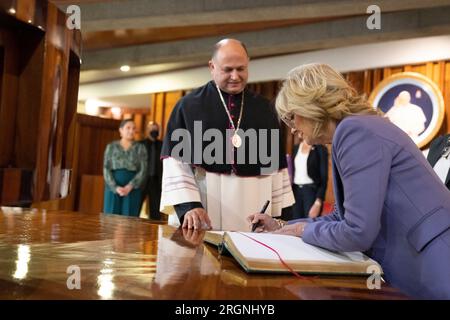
(228, 199)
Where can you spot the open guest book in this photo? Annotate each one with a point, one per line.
(300, 256)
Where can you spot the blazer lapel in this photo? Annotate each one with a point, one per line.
(338, 188)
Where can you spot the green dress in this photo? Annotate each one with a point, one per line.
(121, 167)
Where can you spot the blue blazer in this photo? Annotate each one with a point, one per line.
(390, 204)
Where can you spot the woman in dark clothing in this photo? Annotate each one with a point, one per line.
(438, 157)
(309, 179)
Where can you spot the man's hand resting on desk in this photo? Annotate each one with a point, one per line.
(196, 219)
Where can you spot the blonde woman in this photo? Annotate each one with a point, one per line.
(389, 201)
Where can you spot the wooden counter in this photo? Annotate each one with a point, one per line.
(131, 258)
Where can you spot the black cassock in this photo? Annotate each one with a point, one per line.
(202, 109)
(152, 188)
(203, 105)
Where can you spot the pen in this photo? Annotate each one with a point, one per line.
(255, 225)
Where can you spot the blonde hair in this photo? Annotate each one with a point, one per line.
(320, 94)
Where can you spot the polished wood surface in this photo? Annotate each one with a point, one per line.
(131, 258)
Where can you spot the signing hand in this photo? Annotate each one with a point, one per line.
(265, 222)
(315, 210)
(295, 229)
(196, 219)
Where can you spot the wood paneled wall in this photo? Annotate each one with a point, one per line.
(161, 108)
(437, 71)
(91, 194)
(140, 116)
(88, 136)
(38, 91)
(364, 81)
(15, 187)
(85, 151)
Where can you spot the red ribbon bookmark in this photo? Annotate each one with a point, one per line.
(279, 257)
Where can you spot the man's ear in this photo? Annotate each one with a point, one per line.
(211, 65)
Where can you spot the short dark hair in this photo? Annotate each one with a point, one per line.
(219, 45)
(124, 122)
(153, 123)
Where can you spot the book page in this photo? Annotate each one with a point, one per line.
(213, 237)
(290, 248)
(218, 233)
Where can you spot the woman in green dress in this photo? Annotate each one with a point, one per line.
(124, 170)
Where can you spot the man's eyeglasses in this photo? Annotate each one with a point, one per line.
(288, 119)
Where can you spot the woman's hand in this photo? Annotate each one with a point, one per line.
(295, 229)
(120, 191)
(315, 209)
(124, 191)
(127, 189)
(265, 222)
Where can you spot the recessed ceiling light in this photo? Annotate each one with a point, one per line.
(12, 11)
(125, 68)
(30, 21)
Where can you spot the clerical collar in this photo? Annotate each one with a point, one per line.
(226, 94)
